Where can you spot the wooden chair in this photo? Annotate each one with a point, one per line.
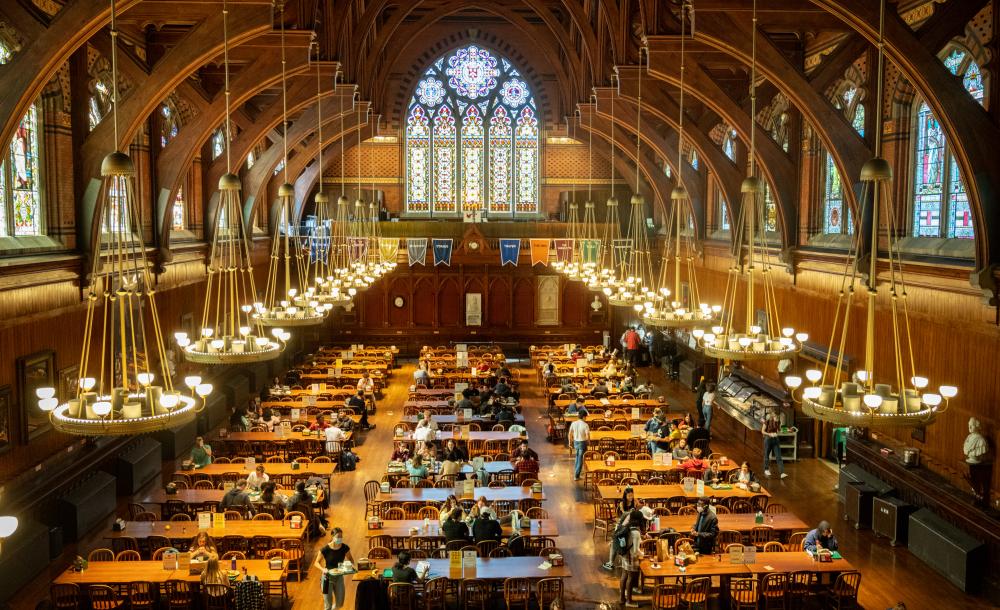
(795, 541)
(760, 535)
(696, 592)
(773, 589)
(234, 543)
(180, 517)
(435, 590)
(146, 516)
(548, 591)
(216, 597)
(536, 512)
(687, 509)
(157, 555)
(124, 543)
(263, 517)
(743, 593)
(380, 552)
(295, 553)
(128, 555)
(773, 547)
(394, 513)
(428, 512)
(260, 545)
(799, 588)
(134, 510)
(103, 597)
(844, 593)
(486, 547)
(383, 540)
(604, 517)
(204, 484)
(402, 596)
(517, 593)
(500, 551)
(475, 594)
(238, 555)
(101, 555)
(142, 595)
(233, 515)
(741, 507)
(667, 597)
(65, 597)
(722, 509)
(775, 509)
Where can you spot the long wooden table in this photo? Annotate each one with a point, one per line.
(401, 529)
(195, 496)
(450, 418)
(493, 568)
(430, 495)
(181, 529)
(599, 406)
(490, 468)
(791, 561)
(638, 465)
(664, 492)
(480, 435)
(116, 573)
(739, 522)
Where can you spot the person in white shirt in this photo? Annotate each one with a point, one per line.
(366, 383)
(257, 478)
(334, 436)
(433, 425)
(579, 436)
(706, 405)
(420, 376)
(422, 434)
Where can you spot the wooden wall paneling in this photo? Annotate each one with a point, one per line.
(498, 303)
(450, 301)
(523, 302)
(399, 287)
(423, 305)
(574, 304)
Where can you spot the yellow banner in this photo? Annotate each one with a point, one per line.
(387, 249)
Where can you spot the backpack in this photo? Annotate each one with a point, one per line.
(517, 544)
(348, 460)
(622, 539)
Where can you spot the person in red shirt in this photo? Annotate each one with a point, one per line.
(694, 463)
(528, 463)
(320, 423)
(632, 343)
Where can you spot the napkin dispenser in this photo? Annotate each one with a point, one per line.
(295, 465)
(385, 487)
(556, 559)
(824, 555)
(536, 488)
(365, 564)
(295, 522)
(275, 563)
(374, 523)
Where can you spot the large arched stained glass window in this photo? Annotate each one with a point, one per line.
(940, 202)
(20, 196)
(472, 135)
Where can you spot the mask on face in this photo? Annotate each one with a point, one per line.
(337, 539)
(700, 509)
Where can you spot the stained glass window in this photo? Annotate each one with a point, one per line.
(940, 202)
(858, 122)
(836, 215)
(22, 203)
(177, 211)
(694, 158)
(277, 168)
(99, 103)
(729, 145)
(472, 138)
(5, 53)
(168, 125)
(770, 210)
(723, 212)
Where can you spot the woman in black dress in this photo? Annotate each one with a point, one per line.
(330, 556)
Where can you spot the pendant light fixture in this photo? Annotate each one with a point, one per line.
(745, 337)
(588, 246)
(328, 239)
(384, 261)
(881, 393)
(666, 309)
(229, 332)
(608, 269)
(117, 392)
(359, 242)
(289, 307)
(635, 285)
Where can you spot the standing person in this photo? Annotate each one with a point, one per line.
(624, 507)
(630, 556)
(579, 436)
(330, 556)
(706, 528)
(652, 428)
(632, 342)
(706, 405)
(698, 394)
(772, 444)
(359, 404)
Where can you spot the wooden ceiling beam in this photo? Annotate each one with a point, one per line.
(948, 21)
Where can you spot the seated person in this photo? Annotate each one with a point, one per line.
(257, 478)
(694, 462)
(201, 455)
(609, 369)
(713, 475)
(270, 495)
(417, 469)
(301, 496)
(528, 464)
(214, 575)
(401, 570)
(628, 384)
(320, 423)
(600, 388)
(465, 403)
(454, 528)
(426, 417)
(334, 437)
(453, 452)
(696, 434)
(450, 468)
(269, 418)
(744, 476)
(360, 405)
(501, 389)
(203, 547)
(344, 421)
(505, 415)
(567, 386)
(576, 353)
(821, 538)
(504, 371)
(486, 527)
(449, 505)
(685, 423)
(236, 497)
(366, 383)
(576, 406)
(401, 453)
(681, 450)
(421, 376)
(663, 439)
(423, 432)
(522, 451)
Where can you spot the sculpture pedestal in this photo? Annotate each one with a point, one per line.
(979, 478)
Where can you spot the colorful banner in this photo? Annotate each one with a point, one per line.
(510, 250)
(358, 249)
(539, 251)
(590, 251)
(416, 250)
(387, 249)
(564, 250)
(442, 251)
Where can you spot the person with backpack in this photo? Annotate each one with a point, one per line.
(629, 553)
(625, 507)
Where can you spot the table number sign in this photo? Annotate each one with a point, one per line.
(204, 521)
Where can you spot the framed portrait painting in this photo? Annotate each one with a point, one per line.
(6, 418)
(34, 371)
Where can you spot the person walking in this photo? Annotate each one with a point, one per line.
(330, 556)
(772, 444)
(698, 393)
(630, 556)
(579, 437)
(632, 342)
(706, 405)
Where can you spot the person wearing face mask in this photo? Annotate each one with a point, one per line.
(330, 556)
(706, 528)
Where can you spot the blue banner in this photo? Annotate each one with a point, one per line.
(442, 251)
(510, 251)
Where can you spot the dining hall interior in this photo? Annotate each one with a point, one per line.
(523, 304)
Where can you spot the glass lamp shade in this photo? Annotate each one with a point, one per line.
(8, 525)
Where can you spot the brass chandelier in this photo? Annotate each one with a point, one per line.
(747, 337)
(587, 246)
(117, 392)
(635, 285)
(665, 309)
(607, 269)
(290, 307)
(882, 393)
(230, 333)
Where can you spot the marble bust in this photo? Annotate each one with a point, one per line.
(596, 305)
(976, 447)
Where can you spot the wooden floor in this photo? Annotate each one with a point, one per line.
(889, 574)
